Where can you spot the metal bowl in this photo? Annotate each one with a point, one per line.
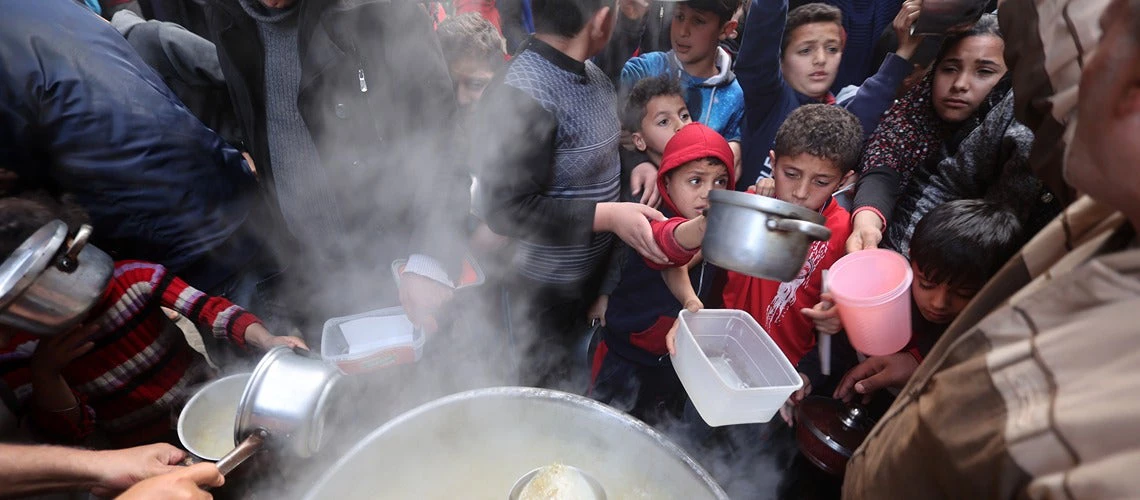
(288, 395)
(760, 236)
(206, 424)
(476, 444)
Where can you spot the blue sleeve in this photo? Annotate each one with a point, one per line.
(877, 93)
(758, 64)
(642, 66)
(734, 128)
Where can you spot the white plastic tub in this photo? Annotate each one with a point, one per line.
(372, 340)
(732, 370)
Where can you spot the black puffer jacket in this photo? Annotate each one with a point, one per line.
(81, 113)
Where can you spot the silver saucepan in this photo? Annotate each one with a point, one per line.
(283, 406)
(760, 236)
(47, 286)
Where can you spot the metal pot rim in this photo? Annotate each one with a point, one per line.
(30, 260)
(765, 204)
(531, 393)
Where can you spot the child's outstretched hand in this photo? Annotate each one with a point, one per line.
(788, 411)
(903, 24)
(597, 311)
(643, 183)
(825, 315)
(878, 372)
(671, 338)
(53, 354)
(765, 187)
(256, 335)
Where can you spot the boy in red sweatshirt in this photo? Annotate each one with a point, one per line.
(631, 369)
(816, 149)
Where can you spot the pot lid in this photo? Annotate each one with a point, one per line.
(841, 427)
(29, 260)
(765, 204)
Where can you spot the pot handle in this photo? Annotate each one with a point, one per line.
(814, 231)
(70, 260)
(246, 449)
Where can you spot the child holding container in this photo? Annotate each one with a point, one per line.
(816, 149)
(956, 249)
(631, 370)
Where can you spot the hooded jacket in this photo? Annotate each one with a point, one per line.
(642, 309)
(717, 102)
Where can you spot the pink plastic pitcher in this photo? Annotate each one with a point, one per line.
(872, 291)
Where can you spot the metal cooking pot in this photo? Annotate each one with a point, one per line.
(287, 397)
(760, 236)
(477, 444)
(947, 16)
(828, 432)
(46, 287)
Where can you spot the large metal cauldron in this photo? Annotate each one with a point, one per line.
(477, 444)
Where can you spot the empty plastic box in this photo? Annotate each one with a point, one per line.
(732, 370)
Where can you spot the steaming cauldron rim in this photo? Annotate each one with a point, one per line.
(523, 392)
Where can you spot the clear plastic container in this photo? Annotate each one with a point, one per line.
(369, 341)
(732, 370)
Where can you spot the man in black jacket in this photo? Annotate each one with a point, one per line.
(345, 107)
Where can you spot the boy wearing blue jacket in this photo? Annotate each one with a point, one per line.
(704, 68)
(791, 59)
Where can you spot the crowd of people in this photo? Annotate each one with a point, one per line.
(239, 159)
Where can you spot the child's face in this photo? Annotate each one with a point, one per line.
(470, 78)
(805, 180)
(696, 34)
(664, 116)
(939, 303)
(812, 58)
(689, 185)
(966, 75)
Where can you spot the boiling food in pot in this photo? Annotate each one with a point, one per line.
(558, 482)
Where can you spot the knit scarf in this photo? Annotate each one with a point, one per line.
(911, 132)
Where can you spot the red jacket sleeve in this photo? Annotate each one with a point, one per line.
(663, 235)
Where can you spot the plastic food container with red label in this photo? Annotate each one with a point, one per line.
(369, 341)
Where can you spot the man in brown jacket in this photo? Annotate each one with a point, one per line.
(1032, 392)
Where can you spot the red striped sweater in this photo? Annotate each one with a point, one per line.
(137, 374)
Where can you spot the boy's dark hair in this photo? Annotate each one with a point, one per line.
(21, 216)
(639, 96)
(963, 243)
(565, 17)
(724, 9)
(471, 36)
(823, 131)
(809, 14)
(986, 25)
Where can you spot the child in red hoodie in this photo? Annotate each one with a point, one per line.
(816, 149)
(632, 370)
